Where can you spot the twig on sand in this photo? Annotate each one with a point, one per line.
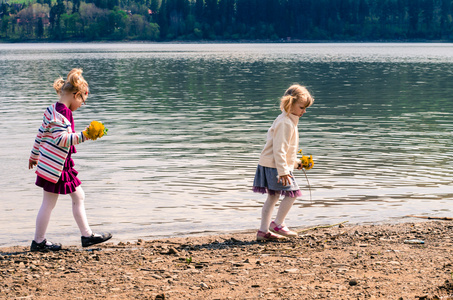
(322, 226)
(431, 218)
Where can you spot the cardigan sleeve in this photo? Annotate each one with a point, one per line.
(35, 150)
(62, 137)
(282, 138)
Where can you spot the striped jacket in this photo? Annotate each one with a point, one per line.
(52, 144)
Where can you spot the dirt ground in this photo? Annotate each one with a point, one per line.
(340, 262)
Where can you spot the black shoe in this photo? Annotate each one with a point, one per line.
(43, 247)
(94, 239)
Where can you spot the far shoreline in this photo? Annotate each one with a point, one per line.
(281, 41)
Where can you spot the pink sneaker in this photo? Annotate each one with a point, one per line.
(281, 230)
(267, 236)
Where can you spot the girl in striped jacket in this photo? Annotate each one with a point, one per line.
(51, 154)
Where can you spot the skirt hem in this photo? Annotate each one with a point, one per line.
(263, 190)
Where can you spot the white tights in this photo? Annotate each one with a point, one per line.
(268, 208)
(78, 211)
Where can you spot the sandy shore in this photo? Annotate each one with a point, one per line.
(340, 262)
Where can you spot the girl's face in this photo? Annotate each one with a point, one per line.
(78, 100)
(299, 108)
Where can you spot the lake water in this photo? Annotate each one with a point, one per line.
(187, 123)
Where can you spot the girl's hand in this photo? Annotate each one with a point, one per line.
(85, 133)
(298, 165)
(31, 164)
(285, 180)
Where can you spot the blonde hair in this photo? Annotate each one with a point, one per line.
(295, 94)
(74, 83)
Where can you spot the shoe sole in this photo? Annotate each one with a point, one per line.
(44, 250)
(261, 238)
(264, 239)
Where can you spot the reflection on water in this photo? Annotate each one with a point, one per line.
(187, 123)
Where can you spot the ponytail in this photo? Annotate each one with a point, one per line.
(58, 84)
(286, 102)
(74, 83)
(294, 94)
(75, 78)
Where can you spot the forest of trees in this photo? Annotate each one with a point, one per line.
(194, 20)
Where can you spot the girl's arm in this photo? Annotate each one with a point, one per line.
(62, 137)
(35, 150)
(281, 144)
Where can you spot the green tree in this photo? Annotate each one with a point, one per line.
(55, 20)
(39, 28)
(163, 19)
(4, 25)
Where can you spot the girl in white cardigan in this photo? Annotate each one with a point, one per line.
(274, 174)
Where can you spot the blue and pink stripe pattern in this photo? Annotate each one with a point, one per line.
(52, 144)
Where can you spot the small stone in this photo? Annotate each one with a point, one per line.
(160, 297)
(353, 282)
(291, 271)
(172, 250)
(204, 285)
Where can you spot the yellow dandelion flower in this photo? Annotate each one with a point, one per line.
(95, 130)
(306, 161)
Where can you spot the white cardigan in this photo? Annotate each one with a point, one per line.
(281, 150)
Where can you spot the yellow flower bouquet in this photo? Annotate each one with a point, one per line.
(306, 161)
(95, 130)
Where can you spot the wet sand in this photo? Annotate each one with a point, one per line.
(340, 262)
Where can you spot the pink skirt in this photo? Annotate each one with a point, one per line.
(67, 183)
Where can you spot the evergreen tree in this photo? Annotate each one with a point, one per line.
(55, 20)
(39, 28)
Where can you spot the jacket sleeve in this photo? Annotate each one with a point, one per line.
(282, 136)
(62, 137)
(35, 151)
